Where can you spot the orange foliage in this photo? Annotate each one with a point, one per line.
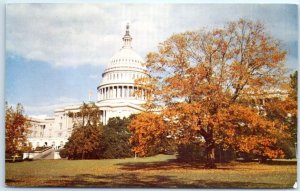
(16, 128)
(150, 131)
(203, 83)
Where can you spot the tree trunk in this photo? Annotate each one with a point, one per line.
(210, 153)
(263, 159)
(209, 146)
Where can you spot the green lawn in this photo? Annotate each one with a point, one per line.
(158, 171)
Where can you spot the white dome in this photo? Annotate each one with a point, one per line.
(126, 58)
(118, 79)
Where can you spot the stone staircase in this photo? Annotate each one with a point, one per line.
(47, 154)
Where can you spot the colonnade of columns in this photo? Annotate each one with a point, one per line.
(113, 92)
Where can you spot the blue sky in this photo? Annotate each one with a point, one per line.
(56, 53)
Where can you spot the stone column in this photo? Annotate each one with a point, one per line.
(125, 92)
(104, 117)
(100, 95)
(106, 94)
(109, 95)
(112, 92)
(123, 89)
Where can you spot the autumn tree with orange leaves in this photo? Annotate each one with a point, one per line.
(210, 86)
(16, 128)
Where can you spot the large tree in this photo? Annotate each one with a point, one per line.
(17, 125)
(85, 140)
(115, 139)
(209, 84)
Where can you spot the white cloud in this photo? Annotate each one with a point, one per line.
(77, 34)
(72, 35)
(42, 109)
(47, 109)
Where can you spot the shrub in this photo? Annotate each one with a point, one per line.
(63, 153)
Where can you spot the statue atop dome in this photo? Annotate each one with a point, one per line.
(127, 38)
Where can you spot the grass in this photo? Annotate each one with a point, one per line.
(158, 171)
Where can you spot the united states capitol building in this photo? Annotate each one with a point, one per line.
(114, 98)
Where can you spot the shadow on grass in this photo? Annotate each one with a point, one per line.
(131, 177)
(133, 180)
(167, 165)
(281, 162)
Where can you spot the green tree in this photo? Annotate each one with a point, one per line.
(17, 126)
(115, 139)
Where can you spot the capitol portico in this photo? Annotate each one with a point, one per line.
(115, 98)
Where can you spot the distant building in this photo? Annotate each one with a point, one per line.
(115, 98)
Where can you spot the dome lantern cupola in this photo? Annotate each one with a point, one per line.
(127, 38)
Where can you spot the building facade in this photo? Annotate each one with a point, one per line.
(115, 98)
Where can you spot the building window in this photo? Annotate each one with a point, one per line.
(60, 125)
